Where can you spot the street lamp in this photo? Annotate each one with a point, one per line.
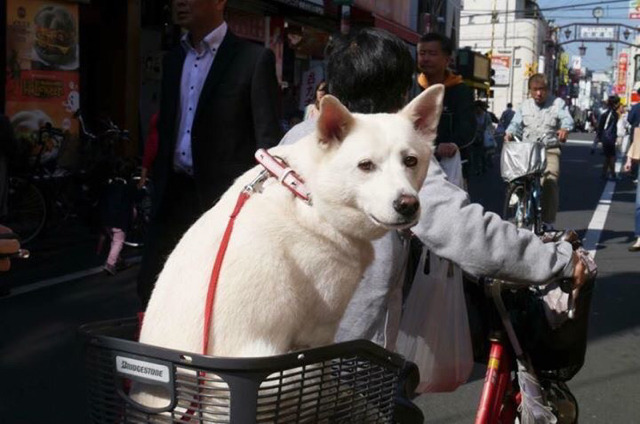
(626, 34)
(610, 50)
(567, 33)
(582, 49)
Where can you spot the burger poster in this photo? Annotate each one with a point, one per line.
(42, 82)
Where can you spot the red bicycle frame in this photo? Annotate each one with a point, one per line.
(499, 400)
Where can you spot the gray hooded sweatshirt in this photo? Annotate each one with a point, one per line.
(452, 227)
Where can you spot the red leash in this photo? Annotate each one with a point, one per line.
(289, 179)
(215, 273)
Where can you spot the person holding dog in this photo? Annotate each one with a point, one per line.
(370, 71)
(218, 106)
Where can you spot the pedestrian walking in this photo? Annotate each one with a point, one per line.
(313, 109)
(633, 157)
(607, 134)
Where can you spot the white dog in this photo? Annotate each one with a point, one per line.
(291, 268)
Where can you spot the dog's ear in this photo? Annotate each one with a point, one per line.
(334, 122)
(424, 111)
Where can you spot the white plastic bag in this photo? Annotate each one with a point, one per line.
(434, 331)
(453, 168)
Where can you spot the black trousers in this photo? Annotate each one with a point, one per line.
(180, 208)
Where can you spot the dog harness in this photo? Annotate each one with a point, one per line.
(273, 167)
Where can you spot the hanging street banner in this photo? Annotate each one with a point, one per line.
(621, 83)
(501, 64)
(42, 79)
(634, 9)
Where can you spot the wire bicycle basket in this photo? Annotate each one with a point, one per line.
(523, 158)
(351, 382)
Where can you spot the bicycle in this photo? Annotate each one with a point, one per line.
(529, 362)
(28, 207)
(522, 165)
(104, 159)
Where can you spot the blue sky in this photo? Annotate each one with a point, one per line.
(614, 13)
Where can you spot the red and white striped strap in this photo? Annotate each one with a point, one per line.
(287, 176)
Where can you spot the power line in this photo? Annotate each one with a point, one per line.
(539, 9)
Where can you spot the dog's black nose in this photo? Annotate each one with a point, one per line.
(406, 205)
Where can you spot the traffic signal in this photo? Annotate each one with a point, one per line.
(492, 81)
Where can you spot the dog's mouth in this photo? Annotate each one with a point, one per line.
(398, 225)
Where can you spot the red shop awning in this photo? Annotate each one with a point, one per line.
(403, 32)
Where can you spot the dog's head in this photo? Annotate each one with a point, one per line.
(371, 167)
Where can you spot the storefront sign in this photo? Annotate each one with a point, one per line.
(42, 82)
(397, 11)
(634, 9)
(247, 25)
(501, 64)
(621, 83)
(313, 6)
(576, 62)
(310, 81)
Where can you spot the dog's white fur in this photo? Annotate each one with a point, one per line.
(290, 268)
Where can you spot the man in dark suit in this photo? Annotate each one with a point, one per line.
(218, 106)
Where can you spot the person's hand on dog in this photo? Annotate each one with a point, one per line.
(446, 150)
(8, 246)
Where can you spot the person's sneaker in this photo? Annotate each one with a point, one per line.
(635, 247)
(110, 269)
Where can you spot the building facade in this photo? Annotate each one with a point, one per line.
(516, 34)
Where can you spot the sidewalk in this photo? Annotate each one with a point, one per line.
(59, 251)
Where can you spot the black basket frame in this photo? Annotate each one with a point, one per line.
(107, 339)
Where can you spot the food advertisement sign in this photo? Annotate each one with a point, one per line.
(501, 64)
(42, 80)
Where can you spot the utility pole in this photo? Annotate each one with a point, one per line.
(494, 18)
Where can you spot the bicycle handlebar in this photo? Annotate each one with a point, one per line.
(565, 284)
(112, 129)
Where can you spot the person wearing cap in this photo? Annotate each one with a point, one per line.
(544, 117)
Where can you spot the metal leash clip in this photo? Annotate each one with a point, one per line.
(261, 178)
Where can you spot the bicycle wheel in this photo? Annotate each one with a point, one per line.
(515, 205)
(27, 210)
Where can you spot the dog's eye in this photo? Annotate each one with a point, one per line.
(410, 161)
(366, 165)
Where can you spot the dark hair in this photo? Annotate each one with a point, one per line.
(480, 104)
(538, 78)
(369, 71)
(446, 45)
(322, 84)
(509, 105)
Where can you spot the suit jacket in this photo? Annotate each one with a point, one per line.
(237, 113)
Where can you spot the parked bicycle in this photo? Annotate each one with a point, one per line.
(529, 359)
(104, 159)
(522, 165)
(28, 207)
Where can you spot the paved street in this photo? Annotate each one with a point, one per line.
(40, 354)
